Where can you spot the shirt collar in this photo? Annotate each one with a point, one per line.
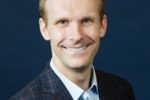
(73, 89)
(94, 86)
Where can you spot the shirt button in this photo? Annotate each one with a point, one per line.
(87, 99)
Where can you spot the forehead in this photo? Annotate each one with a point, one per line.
(71, 6)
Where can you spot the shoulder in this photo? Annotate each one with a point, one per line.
(34, 90)
(109, 77)
(114, 84)
(29, 91)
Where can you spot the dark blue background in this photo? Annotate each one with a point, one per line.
(124, 50)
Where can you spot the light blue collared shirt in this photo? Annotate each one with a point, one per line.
(75, 90)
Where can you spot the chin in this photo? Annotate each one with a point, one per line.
(79, 64)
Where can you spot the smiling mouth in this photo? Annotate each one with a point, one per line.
(76, 49)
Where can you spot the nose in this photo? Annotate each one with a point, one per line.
(75, 32)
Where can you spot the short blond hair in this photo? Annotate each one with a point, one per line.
(43, 13)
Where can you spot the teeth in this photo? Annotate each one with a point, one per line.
(76, 49)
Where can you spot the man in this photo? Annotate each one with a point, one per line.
(74, 29)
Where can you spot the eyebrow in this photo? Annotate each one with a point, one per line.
(64, 18)
(91, 17)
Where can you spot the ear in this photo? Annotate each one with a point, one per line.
(43, 29)
(103, 26)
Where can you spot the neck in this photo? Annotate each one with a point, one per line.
(80, 76)
(82, 79)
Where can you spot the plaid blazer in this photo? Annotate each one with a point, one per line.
(47, 86)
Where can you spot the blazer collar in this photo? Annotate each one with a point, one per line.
(109, 88)
(52, 84)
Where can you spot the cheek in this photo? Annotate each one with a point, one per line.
(56, 35)
(93, 32)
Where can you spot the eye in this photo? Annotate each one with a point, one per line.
(87, 21)
(62, 22)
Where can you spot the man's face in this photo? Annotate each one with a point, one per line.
(74, 30)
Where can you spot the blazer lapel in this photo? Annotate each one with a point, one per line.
(100, 87)
(109, 88)
(105, 86)
(52, 85)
